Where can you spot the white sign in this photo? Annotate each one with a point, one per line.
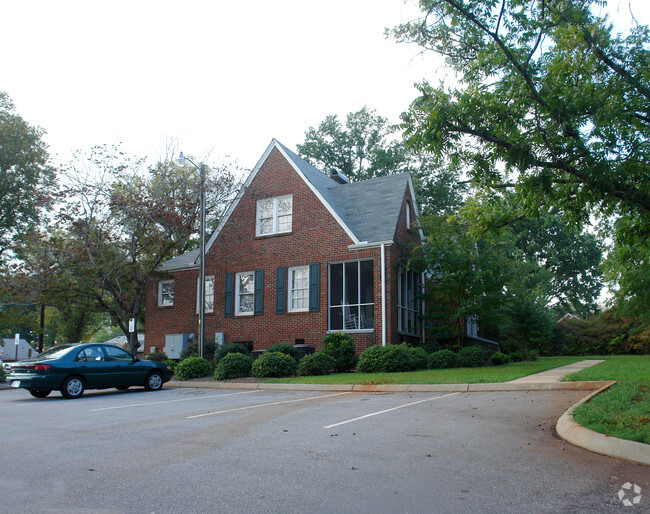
(17, 342)
(132, 325)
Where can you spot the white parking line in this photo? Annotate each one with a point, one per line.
(388, 410)
(171, 401)
(267, 405)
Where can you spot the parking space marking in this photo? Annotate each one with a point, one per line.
(388, 410)
(172, 401)
(267, 405)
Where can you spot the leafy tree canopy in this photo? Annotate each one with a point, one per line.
(25, 176)
(551, 103)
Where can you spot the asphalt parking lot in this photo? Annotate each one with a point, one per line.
(200, 450)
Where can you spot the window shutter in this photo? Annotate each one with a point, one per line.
(230, 295)
(258, 309)
(314, 287)
(281, 291)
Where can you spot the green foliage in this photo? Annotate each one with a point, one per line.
(318, 363)
(3, 374)
(516, 357)
(225, 349)
(273, 364)
(340, 346)
(419, 358)
(443, 359)
(193, 367)
(233, 365)
(191, 349)
(285, 348)
(387, 359)
(499, 359)
(532, 355)
(157, 357)
(473, 356)
(431, 347)
(172, 364)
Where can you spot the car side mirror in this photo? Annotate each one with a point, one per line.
(135, 359)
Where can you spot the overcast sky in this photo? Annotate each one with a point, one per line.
(217, 76)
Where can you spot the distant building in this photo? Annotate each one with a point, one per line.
(9, 351)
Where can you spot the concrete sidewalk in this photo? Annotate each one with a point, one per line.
(556, 374)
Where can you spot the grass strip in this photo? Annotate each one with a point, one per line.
(623, 410)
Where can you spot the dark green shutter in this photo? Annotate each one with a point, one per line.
(230, 295)
(281, 291)
(259, 292)
(314, 287)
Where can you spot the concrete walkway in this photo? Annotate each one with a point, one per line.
(556, 374)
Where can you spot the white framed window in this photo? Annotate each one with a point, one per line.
(298, 289)
(244, 293)
(408, 303)
(165, 293)
(274, 215)
(209, 294)
(351, 296)
(408, 215)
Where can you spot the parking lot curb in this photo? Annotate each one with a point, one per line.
(396, 388)
(608, 445)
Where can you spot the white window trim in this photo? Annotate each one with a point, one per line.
(276, 230)
(291, 288)
(239, 312)
(208, 278)
(162, 303)
(344, 306)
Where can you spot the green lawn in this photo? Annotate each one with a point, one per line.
(623, 410)
(441, 376)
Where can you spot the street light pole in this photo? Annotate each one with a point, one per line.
(202, 170)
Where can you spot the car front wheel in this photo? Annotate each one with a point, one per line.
(154, 381)
(73, 387)
(39, 393)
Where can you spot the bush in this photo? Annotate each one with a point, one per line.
(193, 367)
(157, 357)
(419, 358)
(172, 364)
(233, 365)
(192, 350)
(340, 346)
(499, 359)
(431, 347)
(316, 364)
(516, 357)
(533, 355)
(385, 359)
(443, 359)
(286, 348)
(3, 374)
(473, 356)
(273, 364)
(225, 349)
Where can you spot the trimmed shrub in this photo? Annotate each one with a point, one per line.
(431, 347)
(419, 358)
(341, 347)
(192, 349)
(286, 348)
(473, 356)
(533, 355)
(516, 357)
(233, 365)
(225, 349)
(443, 359)
(316, 364)
(273, 364)
(499, 359)
(157, 357)
(193, 367)
(385, 359)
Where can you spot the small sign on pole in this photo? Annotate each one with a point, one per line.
(17, 342)
(132, 325)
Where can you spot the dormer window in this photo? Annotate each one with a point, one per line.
(274, 215)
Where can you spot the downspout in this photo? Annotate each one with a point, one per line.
(424, 307)
(383, 294)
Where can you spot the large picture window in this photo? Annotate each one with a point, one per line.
(408, 304)
(299, 288)
(245, 293)
(274, 215)
(165, 293)
(351, 296)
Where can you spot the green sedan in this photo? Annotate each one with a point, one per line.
(73, 368)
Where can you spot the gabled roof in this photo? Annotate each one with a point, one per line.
(368, 211)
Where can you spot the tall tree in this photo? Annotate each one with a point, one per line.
(118, 222)
(25, 175)
(549, 102)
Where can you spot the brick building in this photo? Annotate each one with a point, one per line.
(298, 254)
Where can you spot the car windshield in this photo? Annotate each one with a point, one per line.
(55, 352)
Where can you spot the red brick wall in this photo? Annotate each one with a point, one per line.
(315, 237)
